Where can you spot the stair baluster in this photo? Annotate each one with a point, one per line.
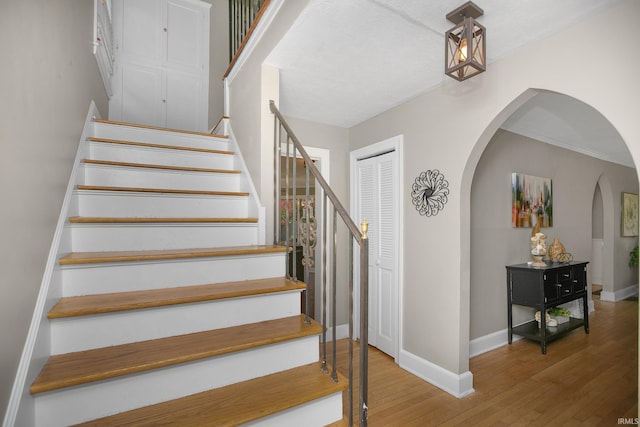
(324, 284)
(359, 235)
(308, 248)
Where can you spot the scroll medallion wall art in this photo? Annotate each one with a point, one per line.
(429, 192)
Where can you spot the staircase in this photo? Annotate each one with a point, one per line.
(172, 311)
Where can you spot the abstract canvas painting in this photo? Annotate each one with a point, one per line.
(531, 201)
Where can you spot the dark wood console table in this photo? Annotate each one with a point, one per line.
(544, 288)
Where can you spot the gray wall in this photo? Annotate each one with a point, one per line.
(47, 79)
(495, 243)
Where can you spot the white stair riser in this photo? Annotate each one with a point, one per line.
(125, 204)
(158, 178)
(102, 398)
(103, 330)
(159, 156)
(135, 237)
(134, 276)
(130, 133)
(317, 413)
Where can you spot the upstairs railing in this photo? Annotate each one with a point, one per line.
(287, 145)
(243, 15)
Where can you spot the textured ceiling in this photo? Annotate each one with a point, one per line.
(345, 61)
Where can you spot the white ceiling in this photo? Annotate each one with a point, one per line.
(566, 122)
(345, 61)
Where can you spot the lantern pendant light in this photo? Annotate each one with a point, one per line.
(465, 53)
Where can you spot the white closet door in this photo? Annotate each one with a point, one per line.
(138, 26)
(142, 97)
(367, 205)
(377, 203)
(185, 26)
(184, 98)
(168, 40)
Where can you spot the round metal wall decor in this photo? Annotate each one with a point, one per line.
(429, 192)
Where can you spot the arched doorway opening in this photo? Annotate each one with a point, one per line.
(494, 243)
(597, 237)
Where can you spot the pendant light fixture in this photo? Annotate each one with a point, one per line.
(465, 53)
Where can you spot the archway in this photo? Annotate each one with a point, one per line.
(573, 191)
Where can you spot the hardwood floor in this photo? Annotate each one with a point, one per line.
(584, 380)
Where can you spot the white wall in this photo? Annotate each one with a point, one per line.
(47, 79)
(437, 264)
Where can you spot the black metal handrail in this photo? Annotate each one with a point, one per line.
(284, 136)
(242, 15)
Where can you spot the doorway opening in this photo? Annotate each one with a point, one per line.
(309, 216)
(597, 237)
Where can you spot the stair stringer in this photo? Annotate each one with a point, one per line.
(256, 208)
(21, 406)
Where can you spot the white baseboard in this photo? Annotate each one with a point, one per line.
(342, 332)
(458, 385)
(619, 295)
(490, 342)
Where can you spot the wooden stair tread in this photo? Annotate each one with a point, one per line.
(166, 254)
(120, 301)
(151, 220)
(161, 190)
(235, 404)
(163, 167)
(162, 146)
(344, 422)
(136, 125)
(71, 369)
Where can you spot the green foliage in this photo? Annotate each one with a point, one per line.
(559, 311)
(633, 257)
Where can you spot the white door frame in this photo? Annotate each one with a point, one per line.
(394, 144)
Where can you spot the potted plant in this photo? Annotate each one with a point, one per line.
(561, 314)
(633, 257)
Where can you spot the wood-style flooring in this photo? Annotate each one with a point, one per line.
(583, 380)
